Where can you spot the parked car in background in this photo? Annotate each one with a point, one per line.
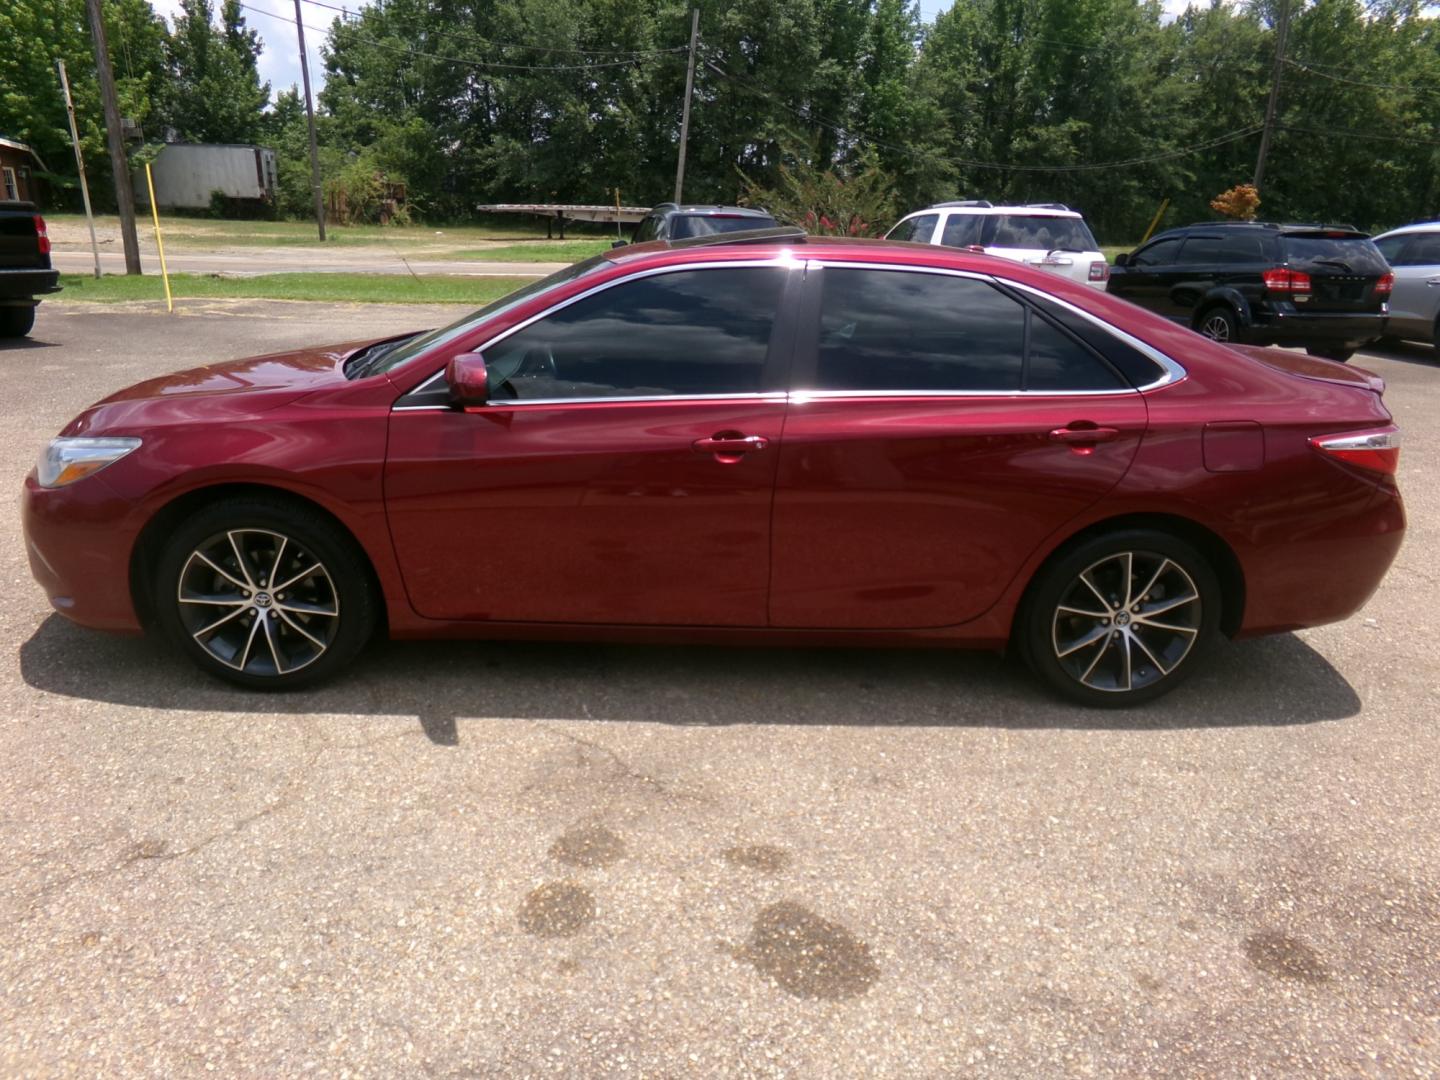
(25, 271)
(1413, 252)
(765, 439)
(671, 222)
(1048, 236)
(1324, 287)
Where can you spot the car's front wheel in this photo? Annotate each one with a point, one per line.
(264, 593)
(1219, 324)
(1120, 619)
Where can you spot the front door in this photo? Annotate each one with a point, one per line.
(939, 432)
(623, 471)
(1415, 300)
(1149, 277)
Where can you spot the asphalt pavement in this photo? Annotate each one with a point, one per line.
(475, 859)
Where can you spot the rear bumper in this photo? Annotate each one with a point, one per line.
(1326, 576)
(25, 285)
(78, 539)
(1305, 328)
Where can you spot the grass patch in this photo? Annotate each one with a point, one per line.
(566, 251)
(358, 288)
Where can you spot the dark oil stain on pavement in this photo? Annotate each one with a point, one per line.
(588, 845)
(557, 909)
(1285, 957)
(807, 955)
(763, 857)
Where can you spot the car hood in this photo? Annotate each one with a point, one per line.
(223, 391)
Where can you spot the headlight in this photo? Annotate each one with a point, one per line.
(66, 460)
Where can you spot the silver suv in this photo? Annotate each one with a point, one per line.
(1049, 236)
(1413, 252)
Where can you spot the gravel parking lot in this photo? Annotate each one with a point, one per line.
(507, 860)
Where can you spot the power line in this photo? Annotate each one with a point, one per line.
(484, 64)
(347, 13)
(1311, 70)
(839, 129)
(1346, 134)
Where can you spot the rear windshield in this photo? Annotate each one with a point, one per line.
(1038, 231)
(1342, 254)
(683, 226)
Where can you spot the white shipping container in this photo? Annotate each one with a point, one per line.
(186, 174)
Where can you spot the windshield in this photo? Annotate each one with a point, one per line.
(1043, 231)
(1340, 254)
(385, 360)
(684, 226)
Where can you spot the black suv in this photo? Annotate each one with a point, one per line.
(1325, 287)
(670, 222)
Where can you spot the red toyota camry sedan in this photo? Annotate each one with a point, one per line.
(764, 437)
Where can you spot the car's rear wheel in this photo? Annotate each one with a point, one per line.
(1219, 324)
(266, 594)
(1338, 355)
(1121, 618)
(17, 321)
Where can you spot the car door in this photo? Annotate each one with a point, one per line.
(623, 470)
(939, 430)
(1149, 275)
(1415, 299)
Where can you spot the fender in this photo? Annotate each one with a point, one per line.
(1231, 297)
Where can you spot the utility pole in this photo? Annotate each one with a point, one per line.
(689, 90)
(119, 163)
(1281, 31)
(310, 120)
(79, 164)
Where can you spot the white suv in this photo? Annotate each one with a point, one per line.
(1050, 236)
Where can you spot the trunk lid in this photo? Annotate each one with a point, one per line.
(19, 241)
(1304, 366)
(1344, 268)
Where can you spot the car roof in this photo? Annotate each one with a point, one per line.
(991, 211)
(711, 208)
(1415, 227)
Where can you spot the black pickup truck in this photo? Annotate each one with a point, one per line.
(25, 271)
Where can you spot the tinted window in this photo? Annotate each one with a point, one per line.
(1136, 368)
(689, 332)
(1390, 248)
(1222, 249)
(963, 230)
(895, 330)
(648, 229)
(1059, 362)
(1339, 255)
(919, 229)
(684, 226)
(1424, 250)
(1042, 231)
(1160, 253)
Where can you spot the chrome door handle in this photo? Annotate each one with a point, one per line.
(727, 445)
(1433, 282)
(1084, 434)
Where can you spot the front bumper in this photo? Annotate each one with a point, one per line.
(79, 539)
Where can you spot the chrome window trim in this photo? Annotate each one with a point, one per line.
(777, 396)
(786, 260)
(1173, 372)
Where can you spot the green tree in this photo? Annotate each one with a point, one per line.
(213, 90)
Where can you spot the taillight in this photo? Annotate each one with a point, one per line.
(41, 235)
(1385, 285)
(1099, 271)
(1283, 279)
(1377, 451)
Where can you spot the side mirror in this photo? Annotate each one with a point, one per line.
(468, 380)
(1123, 259)
(620, 243)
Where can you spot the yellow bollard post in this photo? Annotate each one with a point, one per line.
(159, 243)
(1155, 221)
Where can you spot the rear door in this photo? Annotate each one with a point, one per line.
(623, 470)
(1415, 301)
(939, 429)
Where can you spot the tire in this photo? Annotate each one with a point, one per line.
(1053, 622)
(1340, 356)
(16, 321)
(1218, 324)
(216, 609)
